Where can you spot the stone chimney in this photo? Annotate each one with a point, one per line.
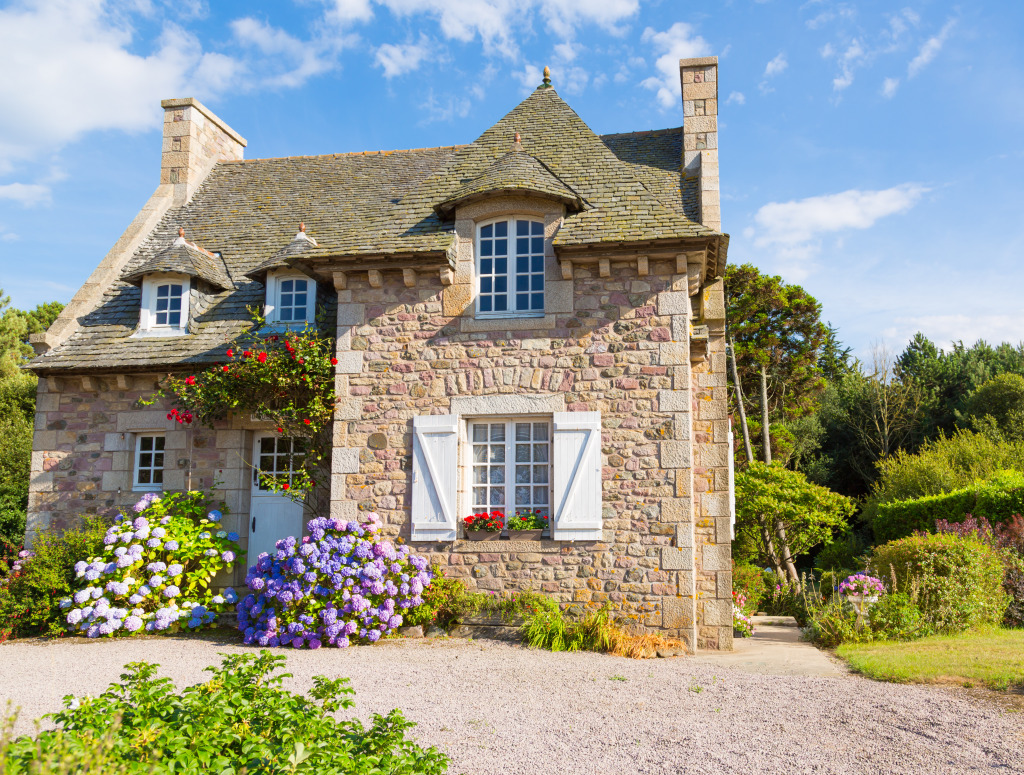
(700, 133)
(194, 140)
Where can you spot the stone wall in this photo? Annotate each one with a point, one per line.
(621, 348)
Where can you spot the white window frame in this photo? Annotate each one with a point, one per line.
(511, 274)
(147, 315)
(150, 486)
(271, 307)
(510, 508)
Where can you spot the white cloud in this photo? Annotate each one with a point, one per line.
(776, 66)
(345, 12)
(794, 229)
(404, 58)
(929, 50)
(286, 61)
(446, 109)
(849, 60)
(28, 194)
(70, 67)
(675, 43)
(736, 98)
(889, 87)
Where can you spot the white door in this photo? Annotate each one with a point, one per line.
(272, 516)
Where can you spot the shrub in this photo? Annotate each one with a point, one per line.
(834, 622)
(846, 551)
(999, 404)
(960, 578)
(548, 627)
(749, 581)
(941, 466)
(996, 500)
(786, 599)
(241, 720)
(445, 602)
(29, 598)
(154, 570)
(896, 616)
(341, 583)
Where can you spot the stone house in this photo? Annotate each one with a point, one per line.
(535, 319)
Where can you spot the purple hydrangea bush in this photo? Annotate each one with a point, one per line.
(342, 584)
(155, 571)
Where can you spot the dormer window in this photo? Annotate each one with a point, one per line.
(165, 303)
(291, 299)
(510, 268)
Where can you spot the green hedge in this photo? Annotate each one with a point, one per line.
(997, 500)
(956, 582)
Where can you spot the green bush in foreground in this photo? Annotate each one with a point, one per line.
(958, 580)
(241, 720)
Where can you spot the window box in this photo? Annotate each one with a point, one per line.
(525, 535)
(483, 535)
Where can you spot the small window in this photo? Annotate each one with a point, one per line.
(511, 466)
(168, 305)
(165, 303)
(149, 462)
(510, 268)
(291, 299)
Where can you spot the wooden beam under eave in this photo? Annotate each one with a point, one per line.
(409, 276)
(375, 278)
(340, 280)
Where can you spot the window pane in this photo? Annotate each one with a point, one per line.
(480, 454)
(501, 303)
(501, 229)
(267, 464)
(267, 444)
(497, 454)
(537, 228)
(522, 474)
(161, 304)
(540, 431)
(540, 453)
(146, 443)
(522, 227)
(157, 441)
(540, 474)
(522, 453)
(144, 476)
(145, 459)
(522, 245)
(487, 231)
(538, 301)
(498, 431)
(500, 284)
(479, 433)
(522, 301)
(500, 265)
(158, 476)
(287, 285)
(501, 247)
(158, 459)
(497, 475)
(538, 264)
(480, 496)
(522, 431)
(485, 266)
(522, 496)
(485, 303)
(540, 496)
(479, 475)
(174, 318)
(497, 496)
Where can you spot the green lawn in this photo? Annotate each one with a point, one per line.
(991, 657)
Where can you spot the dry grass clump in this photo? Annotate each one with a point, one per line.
(547, 627)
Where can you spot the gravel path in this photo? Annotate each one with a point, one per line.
(497, 708)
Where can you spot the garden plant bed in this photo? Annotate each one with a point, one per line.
(487, 704)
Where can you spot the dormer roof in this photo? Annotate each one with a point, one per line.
(517, 172)
(187, 258)
(288, 257)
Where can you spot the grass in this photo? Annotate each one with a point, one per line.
(992, 657)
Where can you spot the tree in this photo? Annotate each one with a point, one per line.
(769, 495)
(997, 407)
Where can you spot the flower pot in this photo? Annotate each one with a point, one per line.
(861, 604)
(483, 535)
(525, 535)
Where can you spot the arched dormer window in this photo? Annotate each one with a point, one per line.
(510, 267)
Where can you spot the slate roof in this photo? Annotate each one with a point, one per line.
(183, 257)
(288, 256)
(515, 172)
(383, 204)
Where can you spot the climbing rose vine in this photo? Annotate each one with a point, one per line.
(155, 570)
(285, 377)
(341, 584)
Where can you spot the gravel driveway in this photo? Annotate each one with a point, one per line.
(497, 708)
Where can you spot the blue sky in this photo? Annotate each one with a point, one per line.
(870, 151)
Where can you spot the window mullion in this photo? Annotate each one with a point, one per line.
(512, 256)
(510, 469)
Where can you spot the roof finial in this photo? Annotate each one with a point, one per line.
(517, 145)
(547, 77)
(181, 232)
(302, 227)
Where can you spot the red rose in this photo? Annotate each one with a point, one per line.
(280, 430)
(246, 354)
(231, 353)
(334, 361)
(262, 357)
(285, 486)
(301, 361)
(307, 421)
(225, 367)
(190, 380)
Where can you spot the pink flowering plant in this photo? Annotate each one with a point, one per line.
(342, 584)
(861, 584)
(742, 625)
(155, 571)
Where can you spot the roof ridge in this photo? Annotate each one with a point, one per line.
(347, 154)
(643, 132)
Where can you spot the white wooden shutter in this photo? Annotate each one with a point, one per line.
(577, 476)
(435, 465)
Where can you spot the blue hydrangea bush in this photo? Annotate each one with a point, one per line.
(339, 585)
(155, 571)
